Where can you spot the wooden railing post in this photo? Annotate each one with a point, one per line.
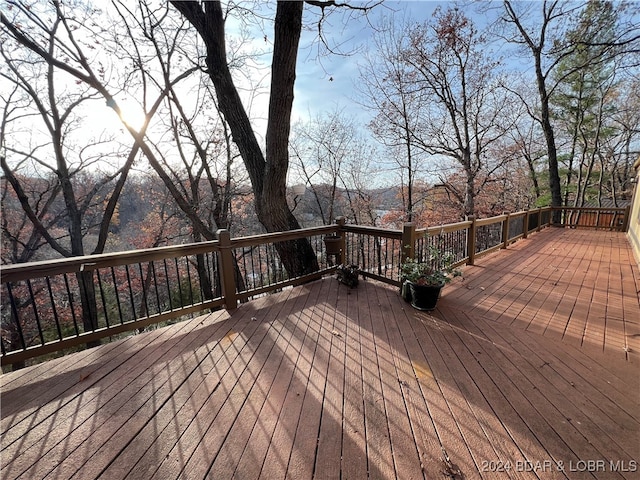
(525, 229)
(505, 230)
(471, 240)
(227, 270)
(342, 256)
(408, 241)
(627, 218)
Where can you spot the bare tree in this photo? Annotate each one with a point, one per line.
(63, 157)
(268, 170)
(320, 147)
(544, 36)
(390, 90)
(466, 107)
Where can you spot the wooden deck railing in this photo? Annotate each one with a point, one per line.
(596, 217)
(54, 305)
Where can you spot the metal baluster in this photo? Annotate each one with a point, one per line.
(104, 304)
(56, 319)
(117, 294)
(14, 309)
(35, 311)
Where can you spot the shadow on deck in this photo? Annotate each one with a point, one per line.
(527, 369)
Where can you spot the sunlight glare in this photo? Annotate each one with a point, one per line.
(132, 114)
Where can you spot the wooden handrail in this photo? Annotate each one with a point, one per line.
(265, 238)
(491, 220)
(47, 268)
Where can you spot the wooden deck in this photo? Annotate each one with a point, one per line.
(528, 369)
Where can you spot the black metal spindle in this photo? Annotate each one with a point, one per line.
(54, 310)
(71, 306)
(189, 280)
(103, 299)
(117, 294)
(260, 270)
(253, 267)
(131, 297)
(179, 281)
(144, 291)
(35, 311)
(155, 286)
(166, 278)
(14, 310)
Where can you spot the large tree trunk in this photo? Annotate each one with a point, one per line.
(267, 173)
(552, 154)
(545, 115)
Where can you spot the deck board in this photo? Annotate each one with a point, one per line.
(530, 361)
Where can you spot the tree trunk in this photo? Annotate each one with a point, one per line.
(268, 172)
(552, 154)
(545, 115)
(88, 303)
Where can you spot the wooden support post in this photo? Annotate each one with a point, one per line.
(471, 240)
(627, 218)
(408, 241)
(227, 270)
(525, 227)
(505, 230)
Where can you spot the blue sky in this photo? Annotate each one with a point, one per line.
(327, 82)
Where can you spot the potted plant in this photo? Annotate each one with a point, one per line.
(332, 244)
(422, 281)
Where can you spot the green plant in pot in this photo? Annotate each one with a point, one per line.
(422, 281)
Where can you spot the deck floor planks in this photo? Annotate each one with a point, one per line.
(587, 414)
(547, 425)
(330, 438)
(36, 376)
(281, 445)
(86, 408)
(154, 441)
(413, 369)
(379, 452)
(595, 331)
(589, 408)
(325, 375)
(302, 461)
(508, 411)
(566, 289)
(130, 410)
(191, 457)
(501, 290)
(473, 427)
(406, 459)
(487, 281)
(508, 434)
(70, 377)
(586, 417)
(545, 272)
(261, 405)
(438, 387)
(578, 316)
(252, 462)
(354, 446)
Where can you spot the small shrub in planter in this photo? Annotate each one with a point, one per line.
(423, 281)
(348, 274)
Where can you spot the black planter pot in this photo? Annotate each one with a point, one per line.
(332, 244)
(423, 297)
